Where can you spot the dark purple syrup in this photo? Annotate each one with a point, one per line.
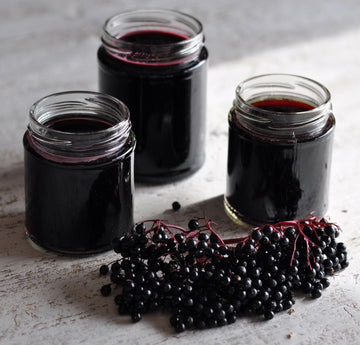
(270, 181)
(283, 105)
(153, 37)
(78, 125)
(77, 208)
(167, 108)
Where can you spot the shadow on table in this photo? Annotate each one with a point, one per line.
(13, 241)
(212, 209)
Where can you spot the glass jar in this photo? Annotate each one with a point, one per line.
(155, 61)
(281, 130)
(78, 156)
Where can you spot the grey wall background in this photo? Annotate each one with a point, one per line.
(48, 46)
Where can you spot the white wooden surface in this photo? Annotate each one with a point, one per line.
(48, 46)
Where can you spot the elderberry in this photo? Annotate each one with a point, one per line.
(106, 290)
(204, 281)
(256, 234)
(176, 206)
(104, 270)
(193, 224)
(135, 316)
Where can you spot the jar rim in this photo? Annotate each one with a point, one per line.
(35, 107)
(281, 86)
(167, 21)
(73, 146)
(286, 85)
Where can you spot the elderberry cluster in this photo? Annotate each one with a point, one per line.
(205, 282)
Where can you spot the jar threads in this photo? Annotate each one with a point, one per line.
(182, 42)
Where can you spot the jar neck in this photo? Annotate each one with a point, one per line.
(78, 126)
(282, 106)
(179, 39)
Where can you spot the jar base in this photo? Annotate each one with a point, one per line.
(50, 250)
(167, 177)
(236, 216)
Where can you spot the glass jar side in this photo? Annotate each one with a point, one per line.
(279, 159)
(77, 201)
(166, 97)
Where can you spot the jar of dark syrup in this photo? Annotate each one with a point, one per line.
(78, 155)
(281, 130)
(155, 61)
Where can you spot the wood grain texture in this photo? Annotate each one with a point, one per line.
(49, 46)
